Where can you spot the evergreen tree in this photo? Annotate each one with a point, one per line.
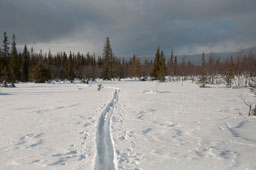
(156, 67)
(106, 71)
(14, 63)
(41, 74)
(25, 64)
(230, 72)
(159, 68)
(135, 67)
(90, 67)
(171, 64)
(175, 66)
(63, 62)
(70, 70)
(5, 50)
(5, 60)
(120, 69)
(162, 69)
(171, 58)
(203, 78)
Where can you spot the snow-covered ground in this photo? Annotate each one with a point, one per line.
(126, 125)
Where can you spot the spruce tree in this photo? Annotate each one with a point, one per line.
(135, 67)
(156, 67)
(120, 69)
(5, 60)
(203, 78)
(162, 69)
(25, 64)
(14, 63)
(5, 50)
(230, 72)
(175, 66)
(106, 72)
(64, 61)
(70, 69)
(171, 64)
(159, 68)
(41, 74)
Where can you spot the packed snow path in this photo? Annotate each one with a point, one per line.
(105, 150)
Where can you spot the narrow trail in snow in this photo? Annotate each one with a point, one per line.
(105, 150)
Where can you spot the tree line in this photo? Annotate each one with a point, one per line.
(41, 67)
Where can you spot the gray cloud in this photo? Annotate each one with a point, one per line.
(134, 26)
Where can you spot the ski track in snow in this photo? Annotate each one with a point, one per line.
(105, 150)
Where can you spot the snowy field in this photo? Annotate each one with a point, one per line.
(126, 125)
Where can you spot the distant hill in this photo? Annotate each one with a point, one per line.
(196, 58)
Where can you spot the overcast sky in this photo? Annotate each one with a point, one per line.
(134, 26)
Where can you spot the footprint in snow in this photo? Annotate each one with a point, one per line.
(64, 157)
(56, 155)
(147, 131)
(32, 140)
(81, 157)
(227, 154)
(87, 124)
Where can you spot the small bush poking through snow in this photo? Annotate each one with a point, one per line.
(99, 87)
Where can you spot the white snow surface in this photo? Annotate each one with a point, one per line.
(127, 125)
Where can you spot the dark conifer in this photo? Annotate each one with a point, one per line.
(70, 70)
(25, 64)
(171, 64)
(41, 74)
(162, 69)
(5, 49)
(135, 67)
(203, 78)
(230, 73)
(14, 62)
(175, 66)
(156, 67)
(107, 61)
(5, 70)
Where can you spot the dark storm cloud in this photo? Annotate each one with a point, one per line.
(134, 26)
(34, 20)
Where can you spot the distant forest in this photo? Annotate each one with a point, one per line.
(41, 67)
